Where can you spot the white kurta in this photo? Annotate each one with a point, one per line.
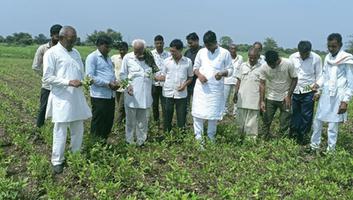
(141, 82)
(336, 84)
(208, 98)
(65, 103)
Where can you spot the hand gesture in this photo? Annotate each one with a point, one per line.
(75, 83)
(262, 106)
(218, 76)
(130, 90)
(235, 98)
(202, 78)
(316, 96)
(343, 108)
(287, 102)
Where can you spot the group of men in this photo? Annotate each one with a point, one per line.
(141, 80)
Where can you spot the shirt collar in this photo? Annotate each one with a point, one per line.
(99, 53)
(62, 47)
(215, 51)
(258, 64)
(298, 55)
(194, 51)
(183, 58)
(161, 54)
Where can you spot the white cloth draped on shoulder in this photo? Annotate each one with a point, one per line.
(336, 85)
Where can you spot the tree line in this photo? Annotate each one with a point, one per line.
(22, 38)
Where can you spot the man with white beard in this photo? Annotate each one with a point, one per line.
(138, 96)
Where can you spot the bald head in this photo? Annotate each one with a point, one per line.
(67, 30)
(67, 36)
(138, 46)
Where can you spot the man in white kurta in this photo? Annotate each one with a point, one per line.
(64, 71)
(229, 82)
(247, 95)
(138, 97)
(336, 87)
(212, 63)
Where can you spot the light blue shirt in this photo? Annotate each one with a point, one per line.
(101, 70)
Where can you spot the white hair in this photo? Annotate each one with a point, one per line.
(137, 42)
(63, 31)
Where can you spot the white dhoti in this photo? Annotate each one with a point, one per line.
(59, 139)
(136, 122)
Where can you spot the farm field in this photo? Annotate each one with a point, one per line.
(169, 166)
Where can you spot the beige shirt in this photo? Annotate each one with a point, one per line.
(278, 80)
(117, 60)
(249, 93)
(37, 65)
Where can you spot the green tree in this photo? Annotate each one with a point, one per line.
(225, 41)
(2, 39)
(116, 36)
(40, 39)
(350, 44)
(269, 44)
(78, 41)
(243, 47)
(19, 39)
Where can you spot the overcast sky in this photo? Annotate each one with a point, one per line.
(246, 21)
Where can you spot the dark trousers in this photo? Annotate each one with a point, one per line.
(102, 116)
(44, 94)
(302, 117)
(157, 96)
(284, 117)
(180, 106)
(190, 93)
(121, 109)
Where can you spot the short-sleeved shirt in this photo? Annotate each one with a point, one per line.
(37, 65)
(236, 62)
(158, 59)
(175, 75)
(117, 60)
(249, 92)
(279, 79)
(308, 70)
